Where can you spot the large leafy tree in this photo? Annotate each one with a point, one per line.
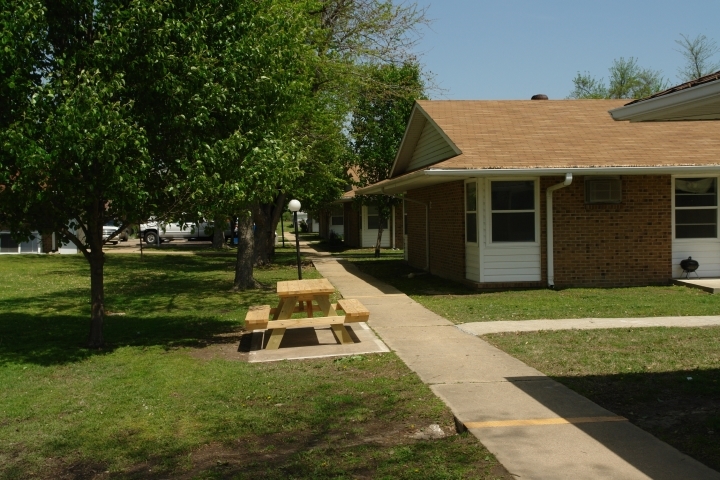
(121, 109)
(348, 36)
(378, 125)
(627, 79)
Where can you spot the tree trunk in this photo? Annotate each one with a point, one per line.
(96, 258)
(379, 238)
(218, 240)
(47, 242)
(245, 256)
(263, 234)
(266, 221)
(276, 214)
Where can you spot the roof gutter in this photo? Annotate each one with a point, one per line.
(395, 182)
(656, 106)
(409, 179)
(549, 172)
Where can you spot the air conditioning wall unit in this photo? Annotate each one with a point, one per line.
(603, 190)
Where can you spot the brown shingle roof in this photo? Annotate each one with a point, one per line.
(565, 134)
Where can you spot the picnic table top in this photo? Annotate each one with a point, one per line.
(304, 287)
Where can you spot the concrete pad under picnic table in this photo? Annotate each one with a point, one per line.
(314, 342)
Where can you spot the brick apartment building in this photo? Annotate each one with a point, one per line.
(534, 193)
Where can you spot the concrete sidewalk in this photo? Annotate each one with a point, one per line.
(484, 328)
(536, 427)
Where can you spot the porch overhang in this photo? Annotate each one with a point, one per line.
(428, 177)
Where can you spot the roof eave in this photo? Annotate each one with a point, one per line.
(428, 177)
(653, 109)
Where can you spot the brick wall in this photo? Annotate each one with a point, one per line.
(610, 245)
(351, 225)
(398, 222)
(447, 229)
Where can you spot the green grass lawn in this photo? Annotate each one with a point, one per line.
(156, 403)
(461, 304)
(665, 380)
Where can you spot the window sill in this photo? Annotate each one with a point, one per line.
(608, 207)
(513, 244)
(695, 240)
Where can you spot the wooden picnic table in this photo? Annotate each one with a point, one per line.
(298, 296)
(308, 296)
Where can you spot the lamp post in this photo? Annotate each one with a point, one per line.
(294, 206)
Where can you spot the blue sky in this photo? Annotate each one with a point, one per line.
(512, 49)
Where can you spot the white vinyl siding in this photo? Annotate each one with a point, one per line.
(705, 250)
(431, 148)
(368, 236)
(8, 245)
(507, 261)
(472, 248)
(337, 220)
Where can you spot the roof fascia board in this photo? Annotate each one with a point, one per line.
(548, 172)
(401, 183)
(380, 186)
(683, 98)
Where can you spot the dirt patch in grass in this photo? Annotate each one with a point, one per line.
(383, 451)
(664, 380)
(224, 346)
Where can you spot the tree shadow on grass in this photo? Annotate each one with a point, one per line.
(160, 300)
(60, 339)
(410, 280)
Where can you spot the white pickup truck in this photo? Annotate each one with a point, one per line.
(173, 231)
(110, 227)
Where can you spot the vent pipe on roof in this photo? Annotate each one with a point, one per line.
(539, 96)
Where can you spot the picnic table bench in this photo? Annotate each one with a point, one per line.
(308, 296)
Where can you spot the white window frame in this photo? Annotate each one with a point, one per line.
(489, 210)
(476, 211)
(716, 207)
(339, 212)
(367, 219)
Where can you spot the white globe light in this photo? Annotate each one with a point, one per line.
(294, 206)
